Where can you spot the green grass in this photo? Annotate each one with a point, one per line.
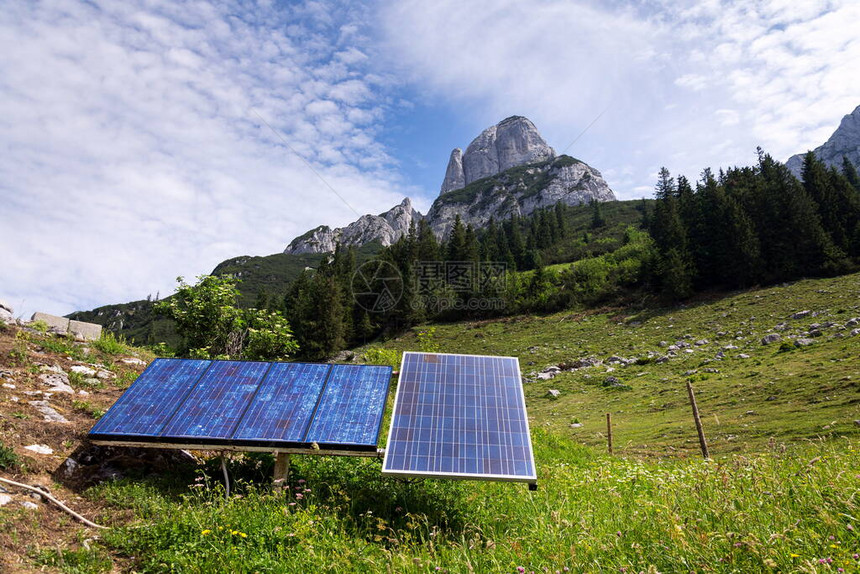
(81, 561)
(8, 459)
(780, 510)
(111, 344)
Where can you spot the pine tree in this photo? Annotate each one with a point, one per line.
(850, 173)
(597, 219)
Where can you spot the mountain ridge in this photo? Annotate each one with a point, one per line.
(844, 142)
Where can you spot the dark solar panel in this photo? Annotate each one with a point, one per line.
(151, 400)
(351, 407)
(460, 416)
(233, 403)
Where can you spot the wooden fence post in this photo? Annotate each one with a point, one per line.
(702, 442)
(282, 471)
(609, 431)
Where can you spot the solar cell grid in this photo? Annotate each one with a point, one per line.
(250, 404)
(460, 416)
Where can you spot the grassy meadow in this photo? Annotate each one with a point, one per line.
(781, 493)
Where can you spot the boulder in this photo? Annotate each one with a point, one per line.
(553, 393)
(803, 342)
(771, 338)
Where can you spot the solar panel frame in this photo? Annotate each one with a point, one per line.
(530, 474)
(172, 432)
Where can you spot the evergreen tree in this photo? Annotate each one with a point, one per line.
(850, 173)
(597, 219)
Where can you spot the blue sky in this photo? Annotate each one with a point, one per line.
(146, 139)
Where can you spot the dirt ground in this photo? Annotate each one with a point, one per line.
(29, 524)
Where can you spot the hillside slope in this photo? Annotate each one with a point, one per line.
(634, 363)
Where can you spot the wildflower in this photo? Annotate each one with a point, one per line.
(302, 481)
(793, 555)
(521, 569)
(292, 504)
(307, 490)
(299, 496)
(206, 532)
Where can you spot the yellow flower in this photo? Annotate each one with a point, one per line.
(793, 555)
(206, 532)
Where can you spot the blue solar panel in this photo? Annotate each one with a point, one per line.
(285, 403)
(233, 403)
(460, 416)
(216, 404)
(151, 400)
(351, 406)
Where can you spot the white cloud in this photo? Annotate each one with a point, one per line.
(133, 153)
(683, 84)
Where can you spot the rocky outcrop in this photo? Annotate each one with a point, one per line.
(386, 228)
(512, 142)
(7, 313)
(454, 176)
(845, 141)
(519, 191)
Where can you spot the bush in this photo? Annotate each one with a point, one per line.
(109, 344)
(8, 459)
(377, 356)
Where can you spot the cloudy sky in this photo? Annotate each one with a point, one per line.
(145, 139)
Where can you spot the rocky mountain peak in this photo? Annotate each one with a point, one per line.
(845, 141)
(512, 142)
(386, 228)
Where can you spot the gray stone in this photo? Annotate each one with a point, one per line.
(575, 425)
(553, 393)
(853, 321)
(701, 342)
(743, 356)
(59, 383)
(845, 141)
(7, 313)
(85, 331)
(29, 505)
(40, 449)
(855, 332)
(142, 363)
(857, 423)
(51, 415)
(5, 499)
(59, 324)
(802, 342)
(801, 314)
(771, 338)
(545, 376)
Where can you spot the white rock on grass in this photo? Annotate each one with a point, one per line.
(59, 383)
(50, 414)
(133, 361)
(83, 370)
(40, 449)
(5, 499)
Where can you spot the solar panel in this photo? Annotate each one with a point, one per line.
(460, 416)
(250, 404)
(351, 407)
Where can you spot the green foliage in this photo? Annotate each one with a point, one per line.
(40, 326)
(111, 344)
(212, 326)
(427, 340)
(80, 561)
(380, 356)
(8, 459)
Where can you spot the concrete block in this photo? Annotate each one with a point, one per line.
(85, 331)
(61, 324)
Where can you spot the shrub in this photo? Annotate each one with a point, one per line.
(109, 344)
(8, 459)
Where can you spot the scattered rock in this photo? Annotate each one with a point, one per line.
(720, 356)
(83, 370)
(672, 348)
(743, 356)
(802, 342)
(5, 499)
(855, 332)
(857, 423)
(661, 360)
(780, 327)
(771, 338)
(106, 375)
(691, 372)
(40, 449)
(30, 505)
(701, 342)
(545, 376)
(749, 413)
(579, 425)
(59, 383)
(92, 464)
(553, 393)
(711, 370)
(8, 386)
(730, 347)
(662, 344)
(51, 415)
(801, 314)
(133, 361)
(853, 321)
(771, 398)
